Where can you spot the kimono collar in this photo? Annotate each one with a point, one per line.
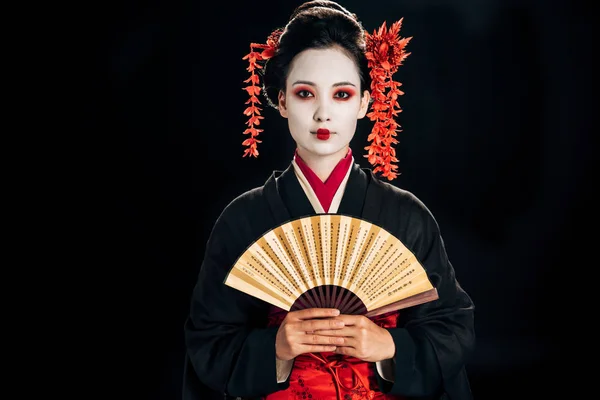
(325, 191)
(287, 199)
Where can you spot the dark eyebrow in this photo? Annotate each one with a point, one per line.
(334, 85)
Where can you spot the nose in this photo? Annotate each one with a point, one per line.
(323, 111)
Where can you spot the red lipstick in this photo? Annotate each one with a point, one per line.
(323, 134)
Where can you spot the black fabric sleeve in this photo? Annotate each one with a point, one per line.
(227, 343)
(433, 340)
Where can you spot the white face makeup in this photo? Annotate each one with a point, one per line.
(322, 92)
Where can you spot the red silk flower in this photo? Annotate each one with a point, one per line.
(385, 53)
(253, 111)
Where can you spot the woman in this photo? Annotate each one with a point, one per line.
(318, 73)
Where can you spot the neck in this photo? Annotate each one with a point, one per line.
(322, 166)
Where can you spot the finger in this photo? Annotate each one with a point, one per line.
(346, 350)
(339, 340)
(314, 339)
(315, 348)
(319, 324)
(311, 313)
(345, 331)
(351, 319)
(347, 342)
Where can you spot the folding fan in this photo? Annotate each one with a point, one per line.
(332, 261)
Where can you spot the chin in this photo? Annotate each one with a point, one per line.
(326, 149)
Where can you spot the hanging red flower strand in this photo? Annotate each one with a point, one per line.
(253, 111)
(385, 53)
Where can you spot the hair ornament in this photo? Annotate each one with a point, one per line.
(385, 53)
(253, 111)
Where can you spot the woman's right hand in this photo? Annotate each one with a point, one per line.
(298, 333)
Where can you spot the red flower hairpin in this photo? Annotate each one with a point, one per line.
(385, 53)
(253, 111)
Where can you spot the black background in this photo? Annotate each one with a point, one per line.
(496, 141)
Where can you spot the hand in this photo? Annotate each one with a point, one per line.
(362, 338)
(297, 333)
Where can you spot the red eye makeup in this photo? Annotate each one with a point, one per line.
(344, 94)
(303, 92)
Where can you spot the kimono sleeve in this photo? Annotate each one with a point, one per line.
(227, 343)
(433, 340)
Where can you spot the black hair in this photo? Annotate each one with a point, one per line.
(316, 25)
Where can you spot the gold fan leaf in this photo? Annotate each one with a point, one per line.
(332, 260)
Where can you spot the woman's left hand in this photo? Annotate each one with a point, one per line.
(363, 339)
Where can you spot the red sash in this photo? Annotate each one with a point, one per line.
(329, 376)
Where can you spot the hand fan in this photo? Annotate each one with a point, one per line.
(332, 261)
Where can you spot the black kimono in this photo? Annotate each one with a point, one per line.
(230, 349)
